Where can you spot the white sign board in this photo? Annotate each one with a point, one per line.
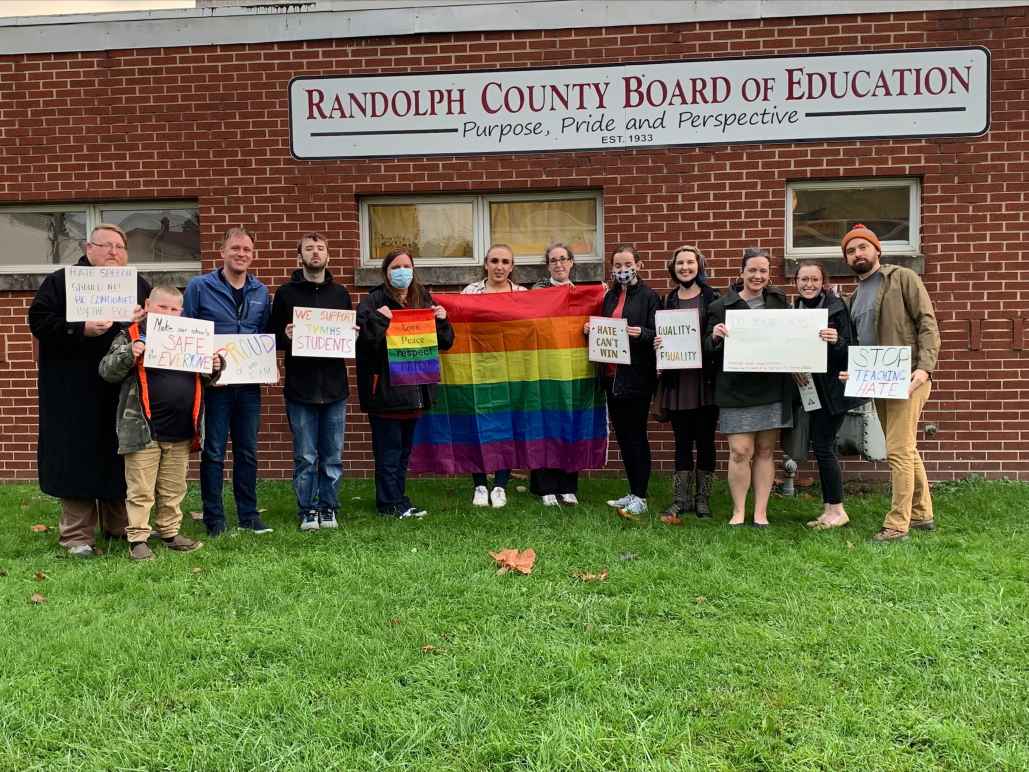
(883, 372)
(609, 340)
(179, 343)
(808, 393)
(100, 293)
(323, 332)
(680, 339)
(860, 95)
(248, 359)
(775, 341)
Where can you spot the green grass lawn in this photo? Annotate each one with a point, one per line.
(394, 644)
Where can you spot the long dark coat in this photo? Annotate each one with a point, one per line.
(78, 444)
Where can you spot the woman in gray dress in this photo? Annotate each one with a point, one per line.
(753, 407)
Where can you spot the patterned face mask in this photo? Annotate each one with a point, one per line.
(624, 275)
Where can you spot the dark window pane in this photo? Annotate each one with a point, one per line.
(158, 235)
(41, 238)
(821, 218)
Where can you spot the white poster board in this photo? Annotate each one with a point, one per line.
(100, 293)
(775, 341)
(323, 332)
(882, 372)
(179, 343)
(680, 339)
(609, 340)
(248, 359)
(809, 394)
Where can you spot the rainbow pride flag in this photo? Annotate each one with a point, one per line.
(412, 347)
(517, 389)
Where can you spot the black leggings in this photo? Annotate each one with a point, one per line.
(629, 418)
(694, 427)
(824, 428)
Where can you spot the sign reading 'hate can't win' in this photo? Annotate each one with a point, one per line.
(916, 93)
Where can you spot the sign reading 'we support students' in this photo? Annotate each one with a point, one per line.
(323, 332)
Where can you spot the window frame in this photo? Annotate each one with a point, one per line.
(93, 210)
(910, 248)
(481, 224)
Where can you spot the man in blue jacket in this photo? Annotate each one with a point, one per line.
(237, 303)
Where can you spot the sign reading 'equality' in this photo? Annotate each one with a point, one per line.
(913, 93)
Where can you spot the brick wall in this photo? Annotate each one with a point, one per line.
(211, 123)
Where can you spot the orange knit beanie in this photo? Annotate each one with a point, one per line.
(859, 231)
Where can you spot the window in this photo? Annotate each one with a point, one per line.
(457, 230)
(819, 214)
(43, 236)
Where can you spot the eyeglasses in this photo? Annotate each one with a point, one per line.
(562, 259)
(111, 245)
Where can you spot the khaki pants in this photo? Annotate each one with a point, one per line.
(79, 519)
(911, 499)
(158, 471)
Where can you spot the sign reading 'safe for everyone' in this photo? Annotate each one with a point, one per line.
(913, 93)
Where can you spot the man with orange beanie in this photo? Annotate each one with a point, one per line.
(892, 308)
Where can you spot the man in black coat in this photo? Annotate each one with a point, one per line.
(316, 387)
(78, 459)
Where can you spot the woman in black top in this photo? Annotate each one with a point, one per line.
(825, 422)
(630, 387)
(688, 396)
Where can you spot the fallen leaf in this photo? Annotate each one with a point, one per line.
(40, 576)
(671, 519)
(850, 545)
(513, 560)
(196, 569)
(521, 488)
(628, 556)
(627, 516)
(36, 598)
(585, 576)
(262, 510)
(39, 528)
(428, 648)
(98, 551)
(395, 621)
(700, 599)
(197, 515)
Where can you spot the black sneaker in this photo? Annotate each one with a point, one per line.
(257, 525)
(327, 519)
(309, 520)
(216, 529)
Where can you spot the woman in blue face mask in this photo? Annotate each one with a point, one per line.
(630, 387)
(393, 411)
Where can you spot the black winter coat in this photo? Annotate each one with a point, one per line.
(310, 380)
(747, 389)
(373, 386)
(670, 378)
(78, 442)
(636, 380)
(828, 384)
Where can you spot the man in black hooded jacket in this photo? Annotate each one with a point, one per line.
(316, 388)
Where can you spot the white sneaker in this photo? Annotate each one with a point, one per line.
(569, 498)
(412, 512)
(82, 551)
(498, 497)
(635, 506)
(619, 503)
(481, 496)
(550, 500)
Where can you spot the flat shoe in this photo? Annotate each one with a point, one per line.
(826, 525)
(737, 525)
(759, 525)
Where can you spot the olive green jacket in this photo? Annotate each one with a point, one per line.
(904, 316)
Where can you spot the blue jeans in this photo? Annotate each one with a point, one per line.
(317, 452)
(234, 410)
(391, 446)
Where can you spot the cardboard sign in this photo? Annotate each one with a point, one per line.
(179, 343)
(776, 341)
(680, 339)
(100, 294)
(412, 347)
(248, 359)
(323, 332)
(882, 372)
(609, 340)
(809, 394)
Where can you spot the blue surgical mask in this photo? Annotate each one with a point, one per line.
(624, 275)
(401, 278)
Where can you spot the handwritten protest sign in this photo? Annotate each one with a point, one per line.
(883, 372)
(412, 347)
(248, 359)
(680, 339)
(323, 332)
(609, 340)
(775, 341)
(179, 343)
(96, 294)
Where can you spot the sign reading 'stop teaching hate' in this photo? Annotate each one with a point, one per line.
(866, 94)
